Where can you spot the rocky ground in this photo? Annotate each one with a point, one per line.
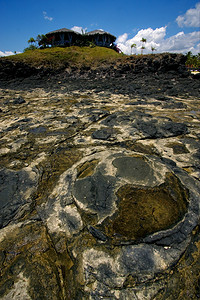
(100, 186)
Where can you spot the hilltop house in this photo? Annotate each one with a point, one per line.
(65, 37)
(101, 38)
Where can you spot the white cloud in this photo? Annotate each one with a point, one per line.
(8, 53)
(79, 29)
(191, 18)
(122, 38)
(181, 42)
(153, 39)
(46, 17)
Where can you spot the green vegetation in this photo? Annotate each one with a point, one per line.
(74, 56)
(81, 57)
(193, 61)
(31, 41)
(133, 46)
(31, 47)
(40, 41)
(143, 40)
(153, 49)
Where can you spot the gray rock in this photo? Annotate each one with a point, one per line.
(95, 193)
(19, 100)
(173, 129)
(37, 130)
(15, 193)
(138, 260)
(102, 134)
(110, 120)
(134, 169)
(97, 234)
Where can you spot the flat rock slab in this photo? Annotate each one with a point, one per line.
(146, 209)
(15, 193)
(99, 192)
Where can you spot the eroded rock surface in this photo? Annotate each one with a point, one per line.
(100, 190)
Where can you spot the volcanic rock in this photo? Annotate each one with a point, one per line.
(99, 178)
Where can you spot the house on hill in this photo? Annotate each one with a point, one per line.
(101, 38)
(66, 37)
(63, 37)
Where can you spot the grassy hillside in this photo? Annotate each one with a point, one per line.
(72, 56)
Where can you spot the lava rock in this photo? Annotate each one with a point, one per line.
(19, 100)
(97, 234)
(102, 134)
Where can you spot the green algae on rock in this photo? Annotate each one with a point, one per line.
(142, 211)
(87, 168)
(31, 267)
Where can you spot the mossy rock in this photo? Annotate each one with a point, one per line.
(142, 211)
(178, 148)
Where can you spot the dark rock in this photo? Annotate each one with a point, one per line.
(174, 105)
(19, 100)
(138, 260)
(95, 192)
(173, 129)
(149, 128)
(110, 120)
(97, 234)
(134, 168)
(102, 134)
(97, 115)
(169, 162)
(71, 222)
(14, 187)
(178, 148)
(37, 130)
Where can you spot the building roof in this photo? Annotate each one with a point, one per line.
(61, 30)
(94, 32)
(99, 31)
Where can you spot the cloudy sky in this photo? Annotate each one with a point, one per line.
(167, 25)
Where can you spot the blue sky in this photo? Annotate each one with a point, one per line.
(168, 25)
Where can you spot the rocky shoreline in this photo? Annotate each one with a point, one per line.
(100, 181)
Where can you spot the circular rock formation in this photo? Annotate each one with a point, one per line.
(130, 215)
(142, 211)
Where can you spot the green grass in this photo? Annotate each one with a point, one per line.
(72, 56)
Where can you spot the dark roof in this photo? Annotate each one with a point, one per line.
(94, 32)
(99, 31)
(61, 30)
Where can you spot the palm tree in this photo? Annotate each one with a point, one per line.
(153, 49)
(31, 41)
(142, 48)
(143, 40)
(133, 46)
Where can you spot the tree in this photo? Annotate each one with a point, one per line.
(31, 47)
(31, 41)
(142, 48)
(153, 49)
(143, 40)
(193, 61)
(42, 40)
(133, 46)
